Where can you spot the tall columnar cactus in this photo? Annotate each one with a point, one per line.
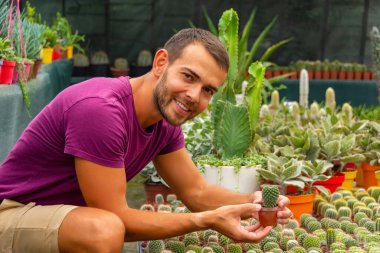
(330, 100)
(304, 89)
(296, 113)
(155, 246)
(270, 195)
(330, 237)
(274, 102)
(375, 38)
(347, 113)
(314, 111)
(159, 199)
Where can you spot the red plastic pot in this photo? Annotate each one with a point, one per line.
(333, 182)
(56, 53)
(6, 73)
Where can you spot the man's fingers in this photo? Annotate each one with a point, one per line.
(259, 234)
(283, 201)
(253, 227)
(248, 208)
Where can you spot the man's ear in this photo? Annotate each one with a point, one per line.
(160, 61)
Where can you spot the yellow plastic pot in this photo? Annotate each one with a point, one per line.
(47, 55)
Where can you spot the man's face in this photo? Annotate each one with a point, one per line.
(187, 85)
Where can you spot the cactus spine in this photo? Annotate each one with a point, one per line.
(330, 237)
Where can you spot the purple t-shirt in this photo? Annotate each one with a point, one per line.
(94, 120)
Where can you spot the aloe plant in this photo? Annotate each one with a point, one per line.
(245, 53)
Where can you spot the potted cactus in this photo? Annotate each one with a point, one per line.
(120, 68)
(81, 65)
(268, 212)
(99, 64)
(143, 64)
(8, 63)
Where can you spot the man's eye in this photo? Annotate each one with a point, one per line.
(188, 77)
(209, 91)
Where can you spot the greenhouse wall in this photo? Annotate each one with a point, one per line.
(124, 27)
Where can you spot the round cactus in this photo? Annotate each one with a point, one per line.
(217, 248)
(291, 244)
(314, 225)
(344, 211)
(190, 240)
(234, 248)
(176, 246)
(147, 207)
(99, 57)
(311, 241)
(81, 60)
(368, 200)
(331, 213)
(370, 225)
(303, 218)
(155, 246)
(351, 227)
(358, 216)
(270, 245)
(144, 59)
(270, 195)
(298, 249)
(121, 63)
(340, 203)
(335, 196)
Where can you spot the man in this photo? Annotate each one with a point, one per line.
(63, 184)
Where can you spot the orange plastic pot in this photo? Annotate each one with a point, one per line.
(349, 179)
(300, 204)
(369, 178)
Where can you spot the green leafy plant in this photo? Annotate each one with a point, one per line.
(48, 37)
(6, 50)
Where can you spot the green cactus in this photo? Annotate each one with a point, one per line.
(121, 63)
(368, 200)
(283, 242)
(144, 59)
(234, 248)
(370, 225)
(299, 231)
(358, 216)
(286, 232)
(251, 246)
(190, 240)
(314, 250)
(292, 224)
(301, 238)
(372, 238)
(80, 60)
(314, 225)
(330, 237)
(159, 199)
(344, 224)
(213, 238)
(266, 240)
(331, 213)
(311, 241)
(207, 249)
(195, 248)
(270, 195)
(303, 218)
(344, 211)
(176, 246)
(367, 211)
(217, 248)
(99, 57)
(330, 100)
(349, 242)
(270, 246)
(363, 221)
(298, 249)
(163, 208)
(224, 240)
(355, 249)
(147, 207)
(155, 246)
(291, 244)
(340, 203)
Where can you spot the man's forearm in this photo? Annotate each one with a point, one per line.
(144, 225)
(213, 196)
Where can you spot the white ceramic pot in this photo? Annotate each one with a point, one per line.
(244, 180)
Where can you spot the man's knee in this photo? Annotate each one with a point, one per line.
(92, 230)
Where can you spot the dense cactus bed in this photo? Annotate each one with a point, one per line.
(345, 221)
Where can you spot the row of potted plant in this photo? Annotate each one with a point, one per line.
(325, 70)
(345, 221)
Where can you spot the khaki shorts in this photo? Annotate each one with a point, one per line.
(30, 228)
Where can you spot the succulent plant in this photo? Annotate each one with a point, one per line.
(217, 248)
(195, 248)
(330, 100)
(270, 246)
(190, 240)
(162, 208)
(331, 213)
(344, 211)
(304, 89)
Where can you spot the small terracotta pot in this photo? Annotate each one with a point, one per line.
(268, 216)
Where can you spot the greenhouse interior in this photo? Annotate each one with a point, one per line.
(273, 107)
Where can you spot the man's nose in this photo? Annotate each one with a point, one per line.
(194, 93)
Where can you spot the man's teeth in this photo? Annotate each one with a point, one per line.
(182, 106)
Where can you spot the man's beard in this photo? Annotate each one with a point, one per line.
(162, 101)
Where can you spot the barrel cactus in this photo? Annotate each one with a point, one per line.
(99, 58)
(270, 195)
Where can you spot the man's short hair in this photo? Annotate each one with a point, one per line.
(183, 38)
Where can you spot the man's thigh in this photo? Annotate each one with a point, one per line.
(30, 228)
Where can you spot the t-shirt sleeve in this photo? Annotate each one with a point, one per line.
(175, 143)
(94, 131)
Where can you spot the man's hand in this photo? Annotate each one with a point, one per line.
(226, 220)
(283, 213)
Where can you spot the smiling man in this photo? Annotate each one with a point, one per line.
(62, 186)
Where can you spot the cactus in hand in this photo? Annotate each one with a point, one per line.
(270, 195)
